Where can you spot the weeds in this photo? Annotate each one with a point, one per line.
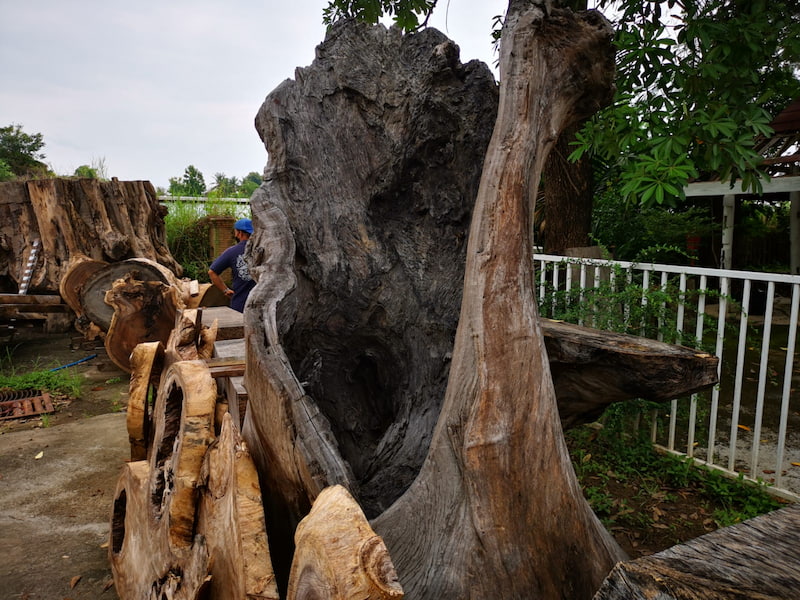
(60, 382)
(627, 483)
(187, 229)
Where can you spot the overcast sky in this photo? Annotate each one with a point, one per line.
(152, 86)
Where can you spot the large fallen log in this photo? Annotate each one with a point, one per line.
(759, 558)
(593, 369)
(105, 221)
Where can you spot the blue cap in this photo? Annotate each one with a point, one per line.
(245, 225)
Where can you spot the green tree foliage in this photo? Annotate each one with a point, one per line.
(86, 171)
(6, 174)
(405, 14)
(249, 184)
(698, 82)
(223, 186)
(191, 184)
(21, 152)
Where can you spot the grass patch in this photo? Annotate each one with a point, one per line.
(60, 382)
(652, 500)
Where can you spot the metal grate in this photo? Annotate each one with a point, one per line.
(26, 403)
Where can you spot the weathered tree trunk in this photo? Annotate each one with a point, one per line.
(106, 221)
(568, 197)
(358, 250)
(498, 490)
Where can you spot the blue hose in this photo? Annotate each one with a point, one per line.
(77, 362)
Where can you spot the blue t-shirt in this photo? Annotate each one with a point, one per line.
(242, 283)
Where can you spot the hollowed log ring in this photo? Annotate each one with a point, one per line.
(147, 360)
(184, 428)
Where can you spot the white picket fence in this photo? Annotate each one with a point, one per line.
(749, 424)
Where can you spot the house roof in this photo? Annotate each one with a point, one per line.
(781, 152)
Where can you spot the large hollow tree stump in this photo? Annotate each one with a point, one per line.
(358, 247)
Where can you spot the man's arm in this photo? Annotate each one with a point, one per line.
(217, 282)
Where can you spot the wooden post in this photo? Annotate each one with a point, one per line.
(728, 210)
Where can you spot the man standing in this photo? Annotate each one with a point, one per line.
(233, 259)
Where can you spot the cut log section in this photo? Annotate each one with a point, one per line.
(78, 272)
(154, 545)
(142, 311)
(755, 559)
(338, 556)
(147, 361)
(231, 518)
(188, 522)
(92, 295)
(183, 429)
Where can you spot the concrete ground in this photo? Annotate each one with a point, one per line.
(57, 477)
(56, 492)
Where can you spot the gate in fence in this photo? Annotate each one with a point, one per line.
(749, 424)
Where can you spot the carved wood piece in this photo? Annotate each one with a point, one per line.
(147, 360)
(231, 518)
(338, 556)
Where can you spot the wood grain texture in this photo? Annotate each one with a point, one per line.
(106, 221)
(231, 518)
(339, 556)
(154, 547)
(592, 369)
(755, 560)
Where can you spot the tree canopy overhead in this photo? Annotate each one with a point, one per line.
(698, 81)
(21, 152)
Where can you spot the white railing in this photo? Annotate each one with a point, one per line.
(748, 424)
